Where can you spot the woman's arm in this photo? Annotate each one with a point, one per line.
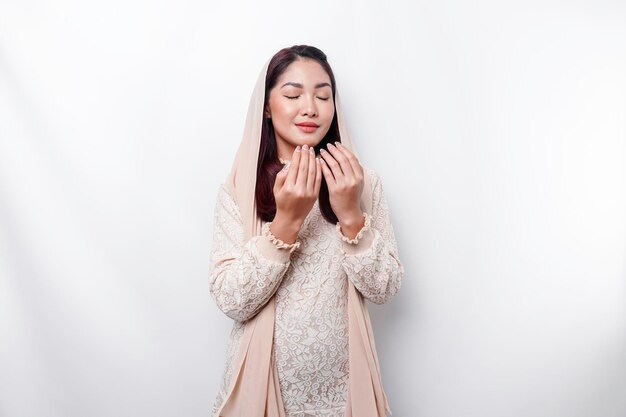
(371, 259)
(243, 276)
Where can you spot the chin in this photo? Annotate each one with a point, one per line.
(313, 142)
(308, 141)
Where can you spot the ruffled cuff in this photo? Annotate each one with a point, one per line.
(361, 242)
(357, 238)
(290, 247)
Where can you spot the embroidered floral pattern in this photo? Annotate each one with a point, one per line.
(242, 279)
(311, 326)
(377, 272)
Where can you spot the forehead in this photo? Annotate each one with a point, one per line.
(304, 71)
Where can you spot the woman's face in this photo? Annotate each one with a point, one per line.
(301, 106)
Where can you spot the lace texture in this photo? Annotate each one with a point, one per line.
(310, 283)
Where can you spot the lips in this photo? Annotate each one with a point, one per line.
(307, 127)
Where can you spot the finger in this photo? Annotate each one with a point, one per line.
(318, 175)
(303, 168)
(281, 177)
(310, 179)
(332, 164)
(293, 167)
(328, 174)
(341, 159)
(352, 158)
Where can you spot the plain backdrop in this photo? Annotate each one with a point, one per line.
(498, 129)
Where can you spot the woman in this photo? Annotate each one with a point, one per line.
(302, 235)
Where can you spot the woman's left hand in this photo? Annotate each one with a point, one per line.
(344, 177)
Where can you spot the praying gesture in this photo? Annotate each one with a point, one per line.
(298, 185)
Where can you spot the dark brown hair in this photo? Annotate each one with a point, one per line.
(268, 164)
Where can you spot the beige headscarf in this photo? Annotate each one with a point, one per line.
(254, 389)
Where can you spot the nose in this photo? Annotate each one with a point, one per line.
(308, 107)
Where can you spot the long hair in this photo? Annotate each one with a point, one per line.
(268, 164)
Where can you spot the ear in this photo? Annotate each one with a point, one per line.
(266, 113)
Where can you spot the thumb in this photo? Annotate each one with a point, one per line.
(281, 176)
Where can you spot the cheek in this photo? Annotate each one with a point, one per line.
(329, 112)
(280, 108)
(285, 112)
(282, 117)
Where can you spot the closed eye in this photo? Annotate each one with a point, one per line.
(295, 97)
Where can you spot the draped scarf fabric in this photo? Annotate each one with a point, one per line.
(254, 389)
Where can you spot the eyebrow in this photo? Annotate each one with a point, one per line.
(298, 85)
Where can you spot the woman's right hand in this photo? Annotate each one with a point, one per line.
(296, 188)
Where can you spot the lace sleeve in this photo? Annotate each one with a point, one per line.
(243, 276)
(371, 259)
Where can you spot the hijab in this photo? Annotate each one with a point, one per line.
(254, 387)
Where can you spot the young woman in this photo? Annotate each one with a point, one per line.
(302, 235)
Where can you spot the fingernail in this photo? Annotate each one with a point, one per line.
(322, 150)
(298, 148)
(312, 151)
(338, 144)
(330, 144)
(305, 147)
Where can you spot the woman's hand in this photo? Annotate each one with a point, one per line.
(296, 188)
(344, 176)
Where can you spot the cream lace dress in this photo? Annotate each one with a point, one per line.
(309, 279)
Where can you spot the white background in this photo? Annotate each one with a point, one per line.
(498, 128)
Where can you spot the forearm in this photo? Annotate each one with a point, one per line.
(372, 264)
(242, 285)
(285, 229)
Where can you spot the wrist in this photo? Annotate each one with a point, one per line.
(284, 248)
(359, 243)
(351, 225)
(353, 219)
(285, 229)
